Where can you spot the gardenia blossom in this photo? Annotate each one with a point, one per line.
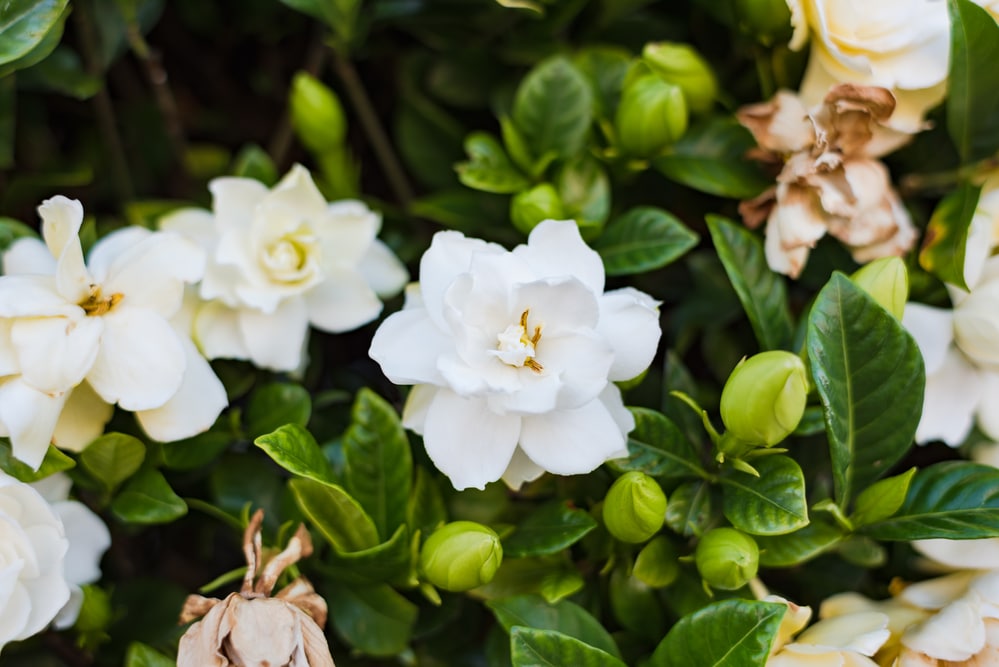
(845, 641)
(513, 355)
(280, 260)
(33, 547)
(830, 180)
(77, 337)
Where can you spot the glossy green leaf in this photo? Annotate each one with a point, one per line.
(946, 237)
(248, 480)
(604, 68)
(488, 168)
(881, 499)
(530, 647)
(763, 293)
(336, 515)
(643, 239)
(973, 83)
(425, 508)
(387, 562)
(140, 655)
(553, 107)
(25, 23)
(952, 500)
(113, 458)
(570, 619)
(636, 605)
(195, 452)
(294, 449)
(560, 584)
(147, 498)
(689, 511)
(373, 619)
(658, 448)
(547, 530)
(795, 548)
(771, 504)
(656, 564)
(584, 189)
(869, 376)
(274, 405)
(521, 576)
(731, 633)
(54, 461)
(61, 72)
(379, 465)
(252, 161)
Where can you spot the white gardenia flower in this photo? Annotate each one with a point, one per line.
(848, 640)
(32, 552)
(513, 355)
(77, 337)
(88, 539)
(280, 260)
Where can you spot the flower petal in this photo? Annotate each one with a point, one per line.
(110, 247)
(82, 419)
(862, 632)
(56, 353)
(61, 221)
(934, 594)
(88, 539)
(414, 413)
(955, 633)
(629, 322)
(961, 554)
(234, 201)
(951, 397)
(933, 329)
(449, 255)
(407, 346)
(26, 256)
(555, 248)
(140, 364)
(341, 302)
(467, 441)
(28, 417)
(383, 271)
(297, 192)
(558, 305)
(520, 470)
(581, 362)
(572, 442)
(987, 414)
(346, 231)
(276, 340)
(195, 224)
(217, 332)
(34, 296)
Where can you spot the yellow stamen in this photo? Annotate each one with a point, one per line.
(95, 305)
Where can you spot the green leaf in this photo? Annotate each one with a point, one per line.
(252, 161)
(489, 169)
(547, 530)
(147, 498)
(710, 157)
(8, 118)
(731, 633)
(604, 68)
(689, 511)
(546, 648)
(584, 189)
(553, 107)
(521, 576)
(956, 500)
(113, 458)
(763, 293)
(294, 449)
(802, 545)
(973, 82)
(61, 72)
(658, 448)
(338, 15)
(566, 617)
(385, 563)
(643, 239)
(946, 237)
(373, 619)
(54, 461)
(140, 655)
(195, 452)
(771, 504)
(869, 376)
(274, 405)
(335, 514)
(25, 23)
(246, 480)
(379, 464)
(636, 605)
(425, 508)
(881, 499)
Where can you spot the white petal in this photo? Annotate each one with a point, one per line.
(29, 417)
(520, 470)
(194, 408)
(297, 192)
(109, 248)
(8, 355)
(961, 554)
(951, 397)
(26, 256)
(383, 271)
(54, 488)
(863, 632)
(956, 633)
(467, 441)
(34, 296)
(140, 363)
(217, 332)
(61, 221)
(407, 346)
(785, 260)
(450, 254)
(346, 230)
(557, 305)
(571, 442)
(414, 413)
(196, 224)
(88, 539)
(276, 340)
(82, 419)
(933, 329)
(581, 362)
(611, 398)
(70, 611)
(988, 405)
(234, 201)
(341, 302)
(56, 353)
(555, 248)
(629, 322)
(937, 593)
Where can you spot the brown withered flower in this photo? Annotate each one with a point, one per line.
(252, 629)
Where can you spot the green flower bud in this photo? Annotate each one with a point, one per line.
(726, 558)
(657, 563)
(887, 281)
(635, 507)
(651, 116)
(461, 555)
(764, 397)
(316, 114)
(530, 207)
(682, 65)
(769, 21)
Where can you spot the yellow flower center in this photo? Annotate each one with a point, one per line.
(96, 304)
(516, 348)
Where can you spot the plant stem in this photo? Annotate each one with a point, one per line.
(765, 72)
(942, 181)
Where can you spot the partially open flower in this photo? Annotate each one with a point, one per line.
(252, 629)
(846, 640)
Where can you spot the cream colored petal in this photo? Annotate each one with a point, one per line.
(82, 419)
(201, 645)
(956, 632)
(961, 554)
(939, 592)
(861, 632)
(780, 124)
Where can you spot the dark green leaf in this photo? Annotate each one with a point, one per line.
(339, 15)
(689, 509)
(548, 530)
(973, 83)
(274, 405)
(795, 548)
(247, 480)
(196, 452)
(566, 617)
(636, 605)
(147, 498)
(25, 23)
(61, 72)
(658, 448)
(869, 375)
(546, 648)
(946, 237)
(374, 619)
(812, 422)
(731, 633)
(881, 499)
(489, 169)
(643, 239)
(388, 562)
(54, 461)
(956, 500)
(294, 449)
(113, 458)
(140, 655)
(605, 68)
(425, 509)
(771, 504)
(553, 107)
(762, 292)
(335, 514)
(252, 161)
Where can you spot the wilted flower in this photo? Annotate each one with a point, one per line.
(727, 558)
(513, 355)
(635, 507)
(847, 640)
(764, 398)
(32, 552)
(461, 555)
(830, 181)
(280, 260)
(252, 628)
(76, 337)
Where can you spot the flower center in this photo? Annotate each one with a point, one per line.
(288, 258)
(516, 348)
(96, 304)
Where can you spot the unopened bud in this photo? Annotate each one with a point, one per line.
(683, 66)
(635, 507)
(726, 558)
(316, 114)
(461, 555)
(530, 207)
(651, 116)
(768, 21)
(887, 281)
(764, 397)
(657, 563)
